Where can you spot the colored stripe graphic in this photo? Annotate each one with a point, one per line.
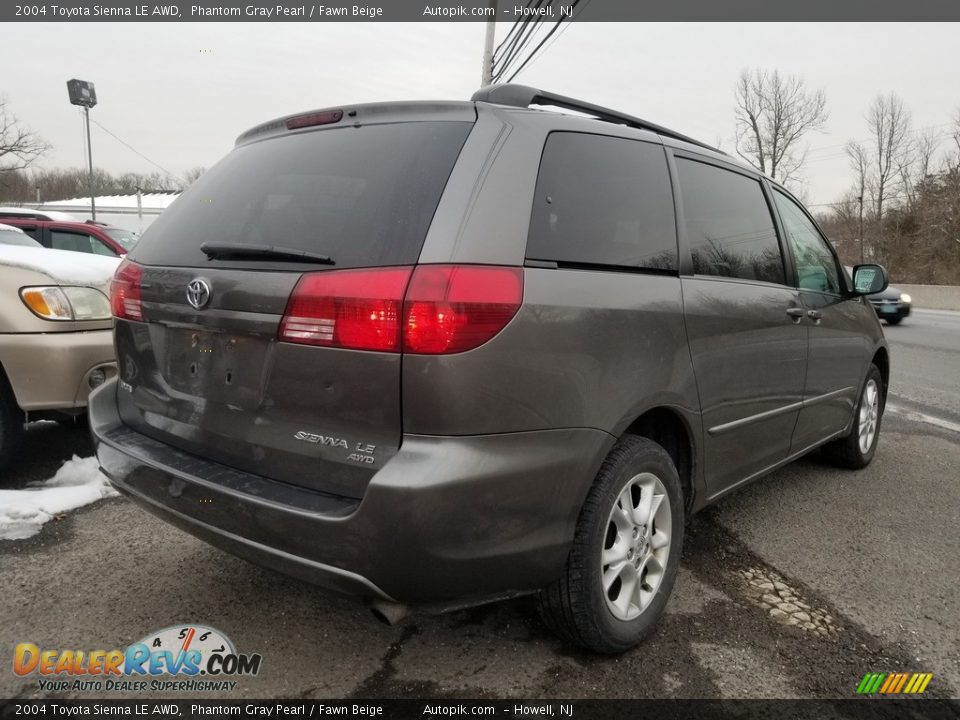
(889, 682)
(894, 683)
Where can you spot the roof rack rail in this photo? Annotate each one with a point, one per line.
(524, 96)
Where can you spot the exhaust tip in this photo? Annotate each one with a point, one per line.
(389, 613)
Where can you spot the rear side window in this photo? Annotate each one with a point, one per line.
(604, 201)
(729, 226)
(363, 196)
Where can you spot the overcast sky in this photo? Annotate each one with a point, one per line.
(181, 93)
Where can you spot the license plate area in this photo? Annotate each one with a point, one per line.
(219, 367)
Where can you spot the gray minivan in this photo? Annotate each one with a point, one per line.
(435, 354)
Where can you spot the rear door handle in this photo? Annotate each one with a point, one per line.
(814, 315)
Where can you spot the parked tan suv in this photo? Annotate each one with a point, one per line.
(55, 335)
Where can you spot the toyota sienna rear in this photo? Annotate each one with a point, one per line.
(437, 354)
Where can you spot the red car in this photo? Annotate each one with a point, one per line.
(88, 237)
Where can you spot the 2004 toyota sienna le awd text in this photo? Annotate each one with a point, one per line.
(439, 353)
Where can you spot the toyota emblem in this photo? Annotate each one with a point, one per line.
(198, 293)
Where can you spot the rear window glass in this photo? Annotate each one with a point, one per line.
(604, 201)
(363, 196)
(11, 237)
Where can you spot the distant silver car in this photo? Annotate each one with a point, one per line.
(55, 334)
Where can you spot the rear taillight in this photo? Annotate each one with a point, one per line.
(445, 309)
(357, 309)
(125, 301)
(452, 308)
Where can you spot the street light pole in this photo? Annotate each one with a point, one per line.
(84, 94)
(93, 202)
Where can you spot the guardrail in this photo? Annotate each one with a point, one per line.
(933, 297)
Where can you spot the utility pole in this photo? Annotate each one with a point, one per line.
(93, 202)
(486, 78)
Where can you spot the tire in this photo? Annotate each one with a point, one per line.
(848, 451)
(11, 424)
(577, 607)
(893, 321)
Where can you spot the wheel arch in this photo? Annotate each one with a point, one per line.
(881, 358)
(668, 428)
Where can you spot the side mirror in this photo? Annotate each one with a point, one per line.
(869, 279)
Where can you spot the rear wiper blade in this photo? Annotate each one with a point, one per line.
(270, 252)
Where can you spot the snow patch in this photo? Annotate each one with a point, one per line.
(78, 482)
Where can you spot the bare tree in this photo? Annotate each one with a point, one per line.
(859, 162)
(889, 123)
(18, 146)
(921, 153)
(773, 114)
(955, 137)
(193, 174)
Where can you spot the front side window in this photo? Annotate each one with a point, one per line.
(728, 223)
(816, 266)
(603, 201)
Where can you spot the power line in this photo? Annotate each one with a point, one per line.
(520, 43)
(509, 36)
(520, 26)
(133, 149)
(912, 131)
(565, 27)
(842, 203)
(542, 42)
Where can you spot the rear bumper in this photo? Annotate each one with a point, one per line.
(51, 371)
(447, 522)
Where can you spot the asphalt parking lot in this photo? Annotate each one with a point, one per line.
(866, 563)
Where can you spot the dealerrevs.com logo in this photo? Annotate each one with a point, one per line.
(188, 658)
